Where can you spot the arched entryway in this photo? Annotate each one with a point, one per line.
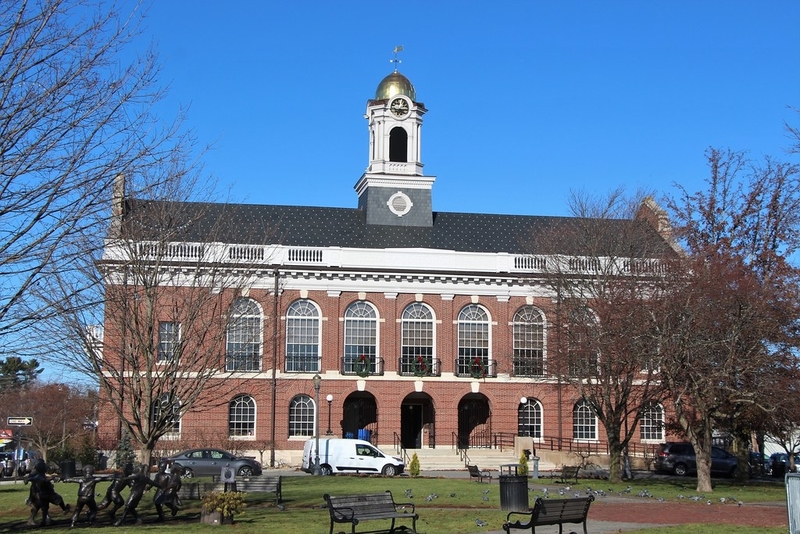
(474, 422)
(417, 418)
(360, 416)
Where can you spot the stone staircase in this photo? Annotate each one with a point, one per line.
(448, 459)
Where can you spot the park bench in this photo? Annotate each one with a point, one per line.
(356, 508)
(195, 491)
(570, 472)
(261, 484)
(474, 472)
(551, 512)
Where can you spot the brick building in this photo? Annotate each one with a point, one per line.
(426, 329)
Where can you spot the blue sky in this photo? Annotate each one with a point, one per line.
(527, 100)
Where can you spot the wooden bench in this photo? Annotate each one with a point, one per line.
(552, 512)
(261, 484)
(570, 472)
(474, 472)
(356, 508)
(196, 491)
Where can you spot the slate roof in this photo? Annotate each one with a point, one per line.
(304, 226)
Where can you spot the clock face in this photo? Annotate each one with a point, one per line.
(399, 107)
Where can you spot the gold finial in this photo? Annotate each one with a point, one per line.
(396, 60)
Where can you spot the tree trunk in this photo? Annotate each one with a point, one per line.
(614, 461)
(703, 459)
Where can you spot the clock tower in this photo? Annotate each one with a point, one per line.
(393, 190)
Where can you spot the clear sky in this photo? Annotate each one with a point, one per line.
(527, 100)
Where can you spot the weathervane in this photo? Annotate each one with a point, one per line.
(396, 60)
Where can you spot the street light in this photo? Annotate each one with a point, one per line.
(524, 416)
(329, 398)
(317, 381)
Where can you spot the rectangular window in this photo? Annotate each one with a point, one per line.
(302, 345)
(169, 337)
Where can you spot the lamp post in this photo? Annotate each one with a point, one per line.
(524, 401)
(317, 381)
(329, 398)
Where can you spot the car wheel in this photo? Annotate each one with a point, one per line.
(187, 473)
(734, 472)
(389, 470)
(325, 470)
(245, 471)
(681, 470)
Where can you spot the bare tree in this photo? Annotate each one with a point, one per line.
(727, 323)
(606, 348)
(73, 114)
(59, 413)
(170, 292)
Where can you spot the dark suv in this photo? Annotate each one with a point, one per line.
(678, 458)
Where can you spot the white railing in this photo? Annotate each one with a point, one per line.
(352, 258)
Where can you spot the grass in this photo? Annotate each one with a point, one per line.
(458, 504)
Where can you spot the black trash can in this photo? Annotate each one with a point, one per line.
(778, 469)
(67, 468)
(513, 489)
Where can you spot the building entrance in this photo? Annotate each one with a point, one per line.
(417, 422)
(474, 422)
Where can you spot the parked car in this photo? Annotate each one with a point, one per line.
(779, 463)
(6, 464)
(209, 462)
(678, 458)
(349, 456)
(759, 464)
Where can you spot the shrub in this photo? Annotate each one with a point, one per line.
(523, 464)
(413, 467)
(226, 503)
(124, 453)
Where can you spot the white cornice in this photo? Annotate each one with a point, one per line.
(393, 182)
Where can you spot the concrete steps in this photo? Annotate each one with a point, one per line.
(446, 459)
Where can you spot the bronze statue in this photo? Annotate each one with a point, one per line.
(167, 493)
(119, 481)
(87, 482)
(42, 493)
(139, 482)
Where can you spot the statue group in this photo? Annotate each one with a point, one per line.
(166, 482)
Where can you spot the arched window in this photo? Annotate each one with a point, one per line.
(242, 416)
(584, 422)
(530, 419)
(301, 416)
(302, 337)
(360, 339)
(528, 334)
(398, 145)
(581, 338)
(473, 342)
(244, 336)
(416, 344)
(167, 414)
(651, 424)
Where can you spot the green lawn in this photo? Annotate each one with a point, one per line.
(454, 509)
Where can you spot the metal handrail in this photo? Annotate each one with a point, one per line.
(397, 443)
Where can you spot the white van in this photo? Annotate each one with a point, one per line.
(337, 455)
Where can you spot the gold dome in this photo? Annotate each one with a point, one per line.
(395, 84)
